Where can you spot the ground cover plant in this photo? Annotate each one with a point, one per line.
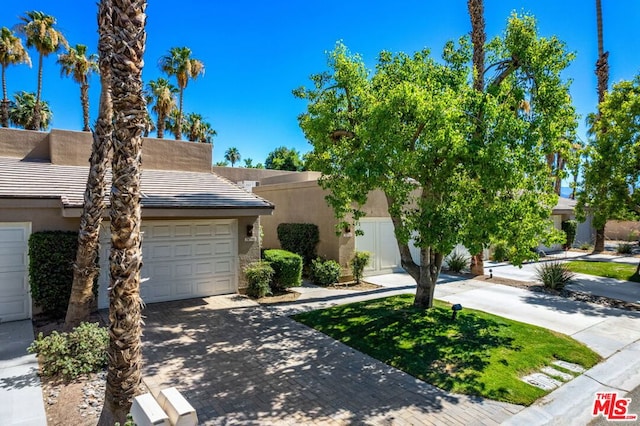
(619, 271)
(477, 354)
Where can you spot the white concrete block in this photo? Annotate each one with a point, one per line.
(146, 411)
(180, 412)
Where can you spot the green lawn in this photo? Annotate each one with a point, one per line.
(620, 271)
(477, 354)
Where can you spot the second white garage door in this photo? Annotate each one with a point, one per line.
(379, 239)
(181, 260)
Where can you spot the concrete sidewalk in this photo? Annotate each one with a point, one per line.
(627, 291)
(21, 400)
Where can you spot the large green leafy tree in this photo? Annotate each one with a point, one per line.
(12, 52)
(410, 129)
(612, 169)
(283, 158)
(179, 63)
(79, 66)
(41, 33)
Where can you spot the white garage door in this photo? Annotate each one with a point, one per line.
(181, 260)
(379, 240)
(15, 301)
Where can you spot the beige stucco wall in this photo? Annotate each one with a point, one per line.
(73, 148)
(44, 215)
(304, 202)
(237, 174)
(625, 230)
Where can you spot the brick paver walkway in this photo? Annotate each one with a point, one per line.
(239, 363)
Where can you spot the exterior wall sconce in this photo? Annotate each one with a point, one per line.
(249, 231)
(347, 232)
(455, 308)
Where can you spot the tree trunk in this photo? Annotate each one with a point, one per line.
(430, 264)
(160, 126)
(598, 247)
(34, 124)
(179, 120)
(86, 268)
(477, 264)
(84, 99)
(4, 107)
(125, 321)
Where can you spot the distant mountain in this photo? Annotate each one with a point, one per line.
(565, 191)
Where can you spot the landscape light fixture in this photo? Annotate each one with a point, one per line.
(455, 308)
(490, 273)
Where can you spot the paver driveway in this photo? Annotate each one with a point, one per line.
(239, 363)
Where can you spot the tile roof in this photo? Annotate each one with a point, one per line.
(160, 188)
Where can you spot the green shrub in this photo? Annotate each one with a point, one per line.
(51, 257)
(585, 246)
(359, 261)
(83, 350)
(625, 248)
(457, 261)
(569, 227)
(287, 268)
(299, 238)
(500, 252)
(259, 276)
(554, 275)
(325, 272)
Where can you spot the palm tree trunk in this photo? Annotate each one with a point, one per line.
(160, 126)
(4, 108)
(125, 322)
(86, 267)
(478, 39)
(602, 72)
(36, 118)
(84, 99)
(179, 121)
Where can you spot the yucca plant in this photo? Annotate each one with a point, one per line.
(554, 275)
(625, 248)
(457, 262)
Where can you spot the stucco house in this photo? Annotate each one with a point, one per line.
(199, 229)
(298, 198)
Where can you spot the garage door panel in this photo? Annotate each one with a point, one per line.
(12, 235)
(223, 248)
(13, 284)
(13, 308)
(183, 250)
(13, 259)
(186, 259)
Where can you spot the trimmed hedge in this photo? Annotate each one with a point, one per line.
(359, 261)
(300, 238)
(570, 228)
(51, 257)
(287, 268)
(325, 272)
(259, 276)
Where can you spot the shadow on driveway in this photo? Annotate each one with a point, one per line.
(248, 364)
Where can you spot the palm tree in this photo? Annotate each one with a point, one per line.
(161, 93)
(602, 72)
(125, 319)
(180, 63)
(39, 30)
(79, 66)
(197, 129)
(86, 267)
(232, 155)
(23, 107)
(12, 52)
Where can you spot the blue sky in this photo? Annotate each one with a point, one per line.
(256, 52)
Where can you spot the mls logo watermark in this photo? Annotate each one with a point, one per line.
(612, 407)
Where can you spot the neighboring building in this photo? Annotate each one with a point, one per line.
(299, 199)
(198, 228)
